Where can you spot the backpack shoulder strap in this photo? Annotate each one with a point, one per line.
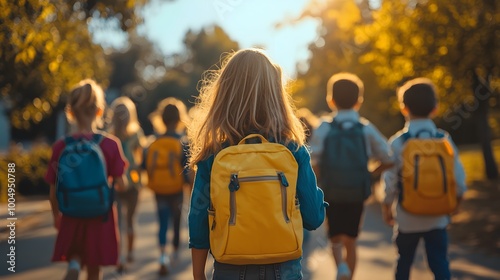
(68, 140)
(405, 136)
(441, 134)
(97, 138)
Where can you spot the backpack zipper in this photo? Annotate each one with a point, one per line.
(234, 185)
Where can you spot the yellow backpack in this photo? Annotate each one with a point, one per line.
(254, 214)
(427, 179)
(163, 163)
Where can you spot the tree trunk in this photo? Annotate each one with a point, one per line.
(482, 95)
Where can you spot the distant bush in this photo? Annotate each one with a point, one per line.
(30, 170)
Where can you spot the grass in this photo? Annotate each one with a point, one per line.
(478, 222)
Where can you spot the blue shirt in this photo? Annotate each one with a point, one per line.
(406, 222)
(376, 144)
(312, 206)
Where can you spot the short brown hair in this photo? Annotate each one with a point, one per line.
(345, 89)
(418, 96)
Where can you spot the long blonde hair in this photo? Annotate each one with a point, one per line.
(246, 95)
(86, 103)
(124, 121)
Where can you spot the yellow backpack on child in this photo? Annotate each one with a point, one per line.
(254, 215)
(427, 178)
(164, 165)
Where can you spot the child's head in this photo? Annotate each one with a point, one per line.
(171, 115)
(86, 104)
(124, 122)
(246, 95)
(418, 98)
(344, 91)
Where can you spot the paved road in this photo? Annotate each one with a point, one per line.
(376, 253)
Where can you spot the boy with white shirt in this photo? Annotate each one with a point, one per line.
(418, 103)
(340, 150)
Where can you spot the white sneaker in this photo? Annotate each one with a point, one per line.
(343, 272)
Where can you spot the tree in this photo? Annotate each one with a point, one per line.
(337, 50)
(454, 43)
(45, 48)
(142, 68)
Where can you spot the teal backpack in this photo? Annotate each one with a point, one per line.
(82, 187)
(344, 164)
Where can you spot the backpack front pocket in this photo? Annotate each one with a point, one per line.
(259, 221)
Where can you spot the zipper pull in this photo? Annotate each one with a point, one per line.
(282, 178)
(234, 184)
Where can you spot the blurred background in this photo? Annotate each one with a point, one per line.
(150, 50)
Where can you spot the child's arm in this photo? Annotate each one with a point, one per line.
(381, 151)
(390, 181)
(55, 206)
(387, 214)
(459, 173)
(199, 257)
(312, 205)
(316, 145)
(120, 183)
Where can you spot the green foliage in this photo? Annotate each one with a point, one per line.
(175, 75)
(45, 48)
(338, 50)
(444, 40)
(29, 171)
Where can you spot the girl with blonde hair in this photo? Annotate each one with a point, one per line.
(91, 242)
(247, 95)
(165, 163)
(125, 126)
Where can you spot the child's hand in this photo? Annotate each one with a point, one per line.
(387, 214)
(389, 218)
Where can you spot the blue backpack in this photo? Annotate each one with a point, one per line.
(82, 187)
(344, 164)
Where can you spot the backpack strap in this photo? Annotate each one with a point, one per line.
(441, 133)
(97, 138)
(69, 140)
(340, 124)
(262, 138)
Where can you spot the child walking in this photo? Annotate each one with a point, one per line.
(341, 148)
(427, 181)
(245, 107)
(83, 239)
(125, 126)
(166, 159)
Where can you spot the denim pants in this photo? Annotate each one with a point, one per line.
(291, 270)
(436, 248)
(169, 206)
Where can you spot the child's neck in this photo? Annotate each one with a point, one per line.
(416, 118)
(85, 128)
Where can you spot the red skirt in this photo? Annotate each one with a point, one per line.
(94, 240)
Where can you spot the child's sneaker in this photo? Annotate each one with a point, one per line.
(343, 272)
(130, 258)
(163, 265)
(73, 271)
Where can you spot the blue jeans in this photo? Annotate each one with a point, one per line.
(169, 206)
(436, 248)
(290, 270)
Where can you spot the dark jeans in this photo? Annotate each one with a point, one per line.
(436, 248)
(169, 206)
(290, 270)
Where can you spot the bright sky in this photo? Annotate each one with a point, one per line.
(249, 22)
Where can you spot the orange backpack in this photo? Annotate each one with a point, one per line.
(427, 179)
(164, 165)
